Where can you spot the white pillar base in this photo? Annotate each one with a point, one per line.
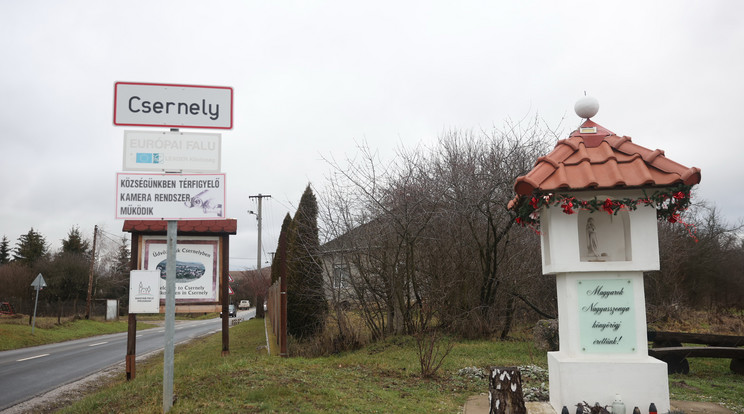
(639, 381)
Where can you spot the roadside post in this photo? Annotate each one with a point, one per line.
(170, 315)
(163, 191)
(39, 284)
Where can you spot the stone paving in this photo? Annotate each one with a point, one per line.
(479, 405)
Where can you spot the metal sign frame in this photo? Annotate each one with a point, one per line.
(172, 105)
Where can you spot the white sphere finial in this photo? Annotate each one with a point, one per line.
(586, 107)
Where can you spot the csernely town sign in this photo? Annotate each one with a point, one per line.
(172, 105)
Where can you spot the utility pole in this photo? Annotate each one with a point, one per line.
(260, 197)
(258, 217)
(90, 277)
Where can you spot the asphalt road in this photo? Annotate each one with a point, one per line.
(28, 372)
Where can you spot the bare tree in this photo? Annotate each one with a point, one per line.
(478, 172)
(15, 279)
(428, 237)
(254, 284)
(701, 264)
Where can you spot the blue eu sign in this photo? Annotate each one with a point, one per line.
(148, 158)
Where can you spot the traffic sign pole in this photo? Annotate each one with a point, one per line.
(36, 303)
(38, 283)
(170, 315)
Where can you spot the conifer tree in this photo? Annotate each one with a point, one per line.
(74, 243)
(281, 247)
(68, 277)
(122, 266)
(30, 248)
(4, 250)
(306, 304)
(115, 283)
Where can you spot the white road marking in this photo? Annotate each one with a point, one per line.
(33, 357)
(99, 343)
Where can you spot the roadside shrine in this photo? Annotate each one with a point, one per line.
(595, 200)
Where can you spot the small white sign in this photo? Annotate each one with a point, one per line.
(172, 151)
(141, 196)
(176, 106)
(144, 291)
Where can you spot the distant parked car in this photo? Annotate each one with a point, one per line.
(231, 311)
(244, 304)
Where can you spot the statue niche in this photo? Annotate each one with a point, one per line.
(604, 237)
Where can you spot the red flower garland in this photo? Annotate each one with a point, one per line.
(669, 206)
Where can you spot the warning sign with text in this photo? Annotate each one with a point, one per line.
(170, 196)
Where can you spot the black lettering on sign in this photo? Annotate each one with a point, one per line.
(137, 104)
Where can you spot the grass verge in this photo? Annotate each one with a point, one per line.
(383, 377)
(380, 378)
(16, 333)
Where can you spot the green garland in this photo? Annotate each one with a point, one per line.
(669, 203)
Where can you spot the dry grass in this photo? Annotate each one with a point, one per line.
(719, 321)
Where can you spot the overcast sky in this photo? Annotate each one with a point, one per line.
(313, 78)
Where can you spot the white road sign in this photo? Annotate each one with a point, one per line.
(172, 151)
(39, 282)
(142, 196)
(175, 106)
(144, 291)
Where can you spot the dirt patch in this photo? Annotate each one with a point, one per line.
(692, 407)
(685, 385)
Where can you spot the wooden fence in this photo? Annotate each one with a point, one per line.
(277, 309)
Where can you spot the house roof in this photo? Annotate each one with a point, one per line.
(594, 158)
(227, 226)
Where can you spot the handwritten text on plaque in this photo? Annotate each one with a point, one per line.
(606, 316)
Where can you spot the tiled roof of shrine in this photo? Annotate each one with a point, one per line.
(594, 158)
